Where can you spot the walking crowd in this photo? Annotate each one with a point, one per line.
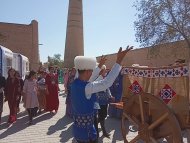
(38, 91)
(89, 87)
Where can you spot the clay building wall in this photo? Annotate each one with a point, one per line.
(160, 55)
(21, 38)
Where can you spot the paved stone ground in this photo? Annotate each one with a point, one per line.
(49, 128)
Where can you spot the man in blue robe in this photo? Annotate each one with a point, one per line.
(83, 94)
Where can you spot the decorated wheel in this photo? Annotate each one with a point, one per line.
(153, 119)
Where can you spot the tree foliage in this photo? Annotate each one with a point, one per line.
(162, 21)
(55, 60)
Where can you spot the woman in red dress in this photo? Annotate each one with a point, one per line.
(52, 99)
(12, 91)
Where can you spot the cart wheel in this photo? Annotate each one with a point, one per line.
(152, 117)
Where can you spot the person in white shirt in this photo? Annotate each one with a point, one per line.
(103, 98)
(83, 95)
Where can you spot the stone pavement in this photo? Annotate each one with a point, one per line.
(49, 128)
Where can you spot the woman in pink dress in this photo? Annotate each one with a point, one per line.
(30, 95)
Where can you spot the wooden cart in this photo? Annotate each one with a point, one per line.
(156, 101)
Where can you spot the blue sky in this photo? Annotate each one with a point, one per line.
(108, 24)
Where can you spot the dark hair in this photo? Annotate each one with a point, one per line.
(31, 74)
(9, 72)
(17, 73)
(81, 71)
(51, 67)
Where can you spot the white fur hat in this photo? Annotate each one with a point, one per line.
(85, 63)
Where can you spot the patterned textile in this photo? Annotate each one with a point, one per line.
(170, 83)
(178, 71)
(83, 112)
(84, 121)
(135, 87)
(167, 93)
(103, 97)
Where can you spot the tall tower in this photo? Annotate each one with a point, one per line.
(74, 45)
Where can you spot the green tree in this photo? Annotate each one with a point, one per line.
(55, 60)
(162, 21)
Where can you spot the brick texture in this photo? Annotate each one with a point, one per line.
(161, 55)
(21, 38)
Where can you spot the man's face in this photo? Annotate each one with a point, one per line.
(88, 73)
(73, 71)
(12, 72)
(34, 76)
(51, 70)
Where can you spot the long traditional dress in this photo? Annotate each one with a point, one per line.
(52, 99)
(66, 77)
(30, 96)
(68, 98)
(42, 93)
(21, 87)
(12, 90)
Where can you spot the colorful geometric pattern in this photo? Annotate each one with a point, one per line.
(157, 72)
(84, 121)
(135, 87)
(167, 93)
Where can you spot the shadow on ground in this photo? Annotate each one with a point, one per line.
(112, 125)
(21, 123)
(62, 124)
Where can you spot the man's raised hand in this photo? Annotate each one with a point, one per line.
(121, 54)
(102, 61)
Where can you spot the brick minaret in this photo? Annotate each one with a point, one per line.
(74, 44)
